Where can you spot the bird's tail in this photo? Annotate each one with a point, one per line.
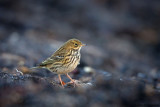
(34, 67)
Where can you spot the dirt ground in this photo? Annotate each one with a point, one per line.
(120, 66)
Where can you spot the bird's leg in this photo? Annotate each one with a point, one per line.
(62, 83)
(71, 79)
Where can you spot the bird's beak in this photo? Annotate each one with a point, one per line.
(83, 44)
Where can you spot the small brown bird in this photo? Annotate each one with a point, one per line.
(64, 60)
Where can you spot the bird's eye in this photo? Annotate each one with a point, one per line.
(75, 44)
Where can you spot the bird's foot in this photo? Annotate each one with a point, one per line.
(63, 83)
(73, 82)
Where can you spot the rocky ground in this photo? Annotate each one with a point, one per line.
(119, 65)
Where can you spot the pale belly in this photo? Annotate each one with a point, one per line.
(70, 68)
(65, 70)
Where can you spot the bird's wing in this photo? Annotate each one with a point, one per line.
(48, 61)
(57, 57)
(53, 59)
(60, 54)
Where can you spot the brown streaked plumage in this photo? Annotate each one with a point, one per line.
(64, 60)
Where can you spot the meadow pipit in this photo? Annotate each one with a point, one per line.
(64, 60)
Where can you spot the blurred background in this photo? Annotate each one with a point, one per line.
(121, 59)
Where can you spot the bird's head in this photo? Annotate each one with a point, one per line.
(74, 44)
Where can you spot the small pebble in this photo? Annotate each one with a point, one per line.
(88, 69)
